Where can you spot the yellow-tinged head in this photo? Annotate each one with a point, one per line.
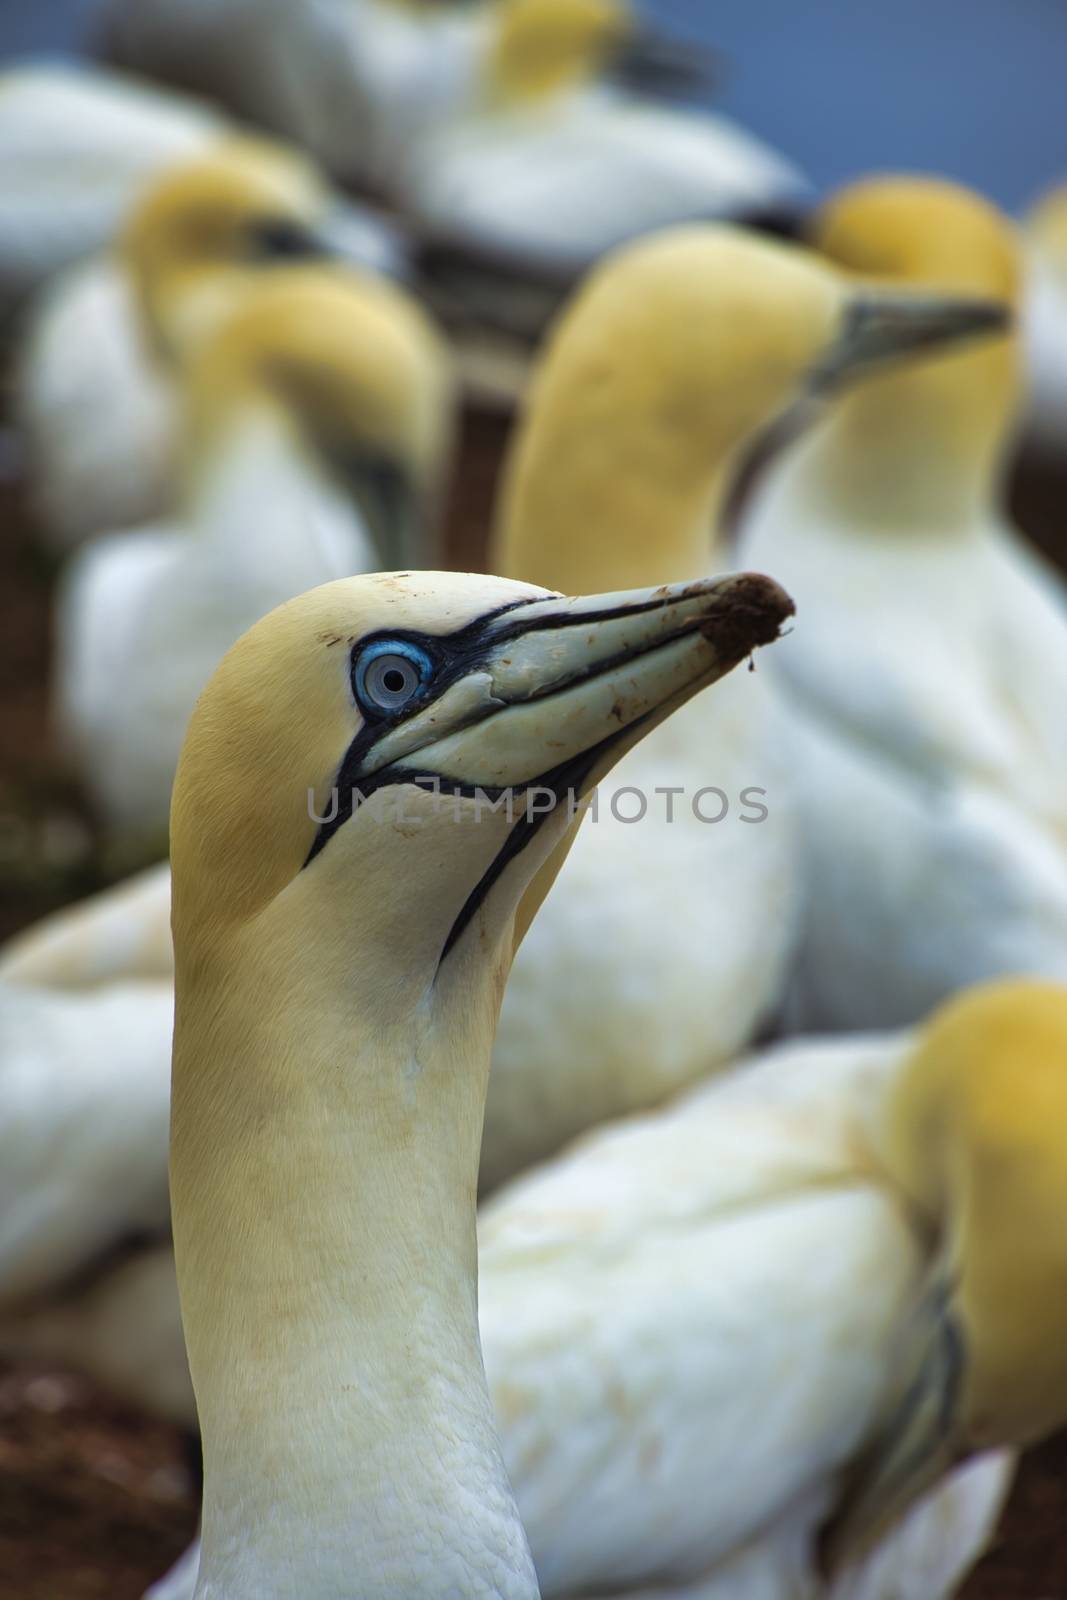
(929, 234)
(375, 684)
(975, 1135)
(923, 231)
(208, 227)
(542, 47)
(978, 1138)
(667, 364)
(356, 369)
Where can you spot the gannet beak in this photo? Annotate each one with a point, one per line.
(878, 327)
(353, 234)
(548, 691)
(648, 62)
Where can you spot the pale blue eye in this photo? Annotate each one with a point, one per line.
(389, 673)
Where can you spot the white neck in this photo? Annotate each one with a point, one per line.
(270, 512)
(899, 459)
(325, 1234)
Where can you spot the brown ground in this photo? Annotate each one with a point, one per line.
(95, 1501)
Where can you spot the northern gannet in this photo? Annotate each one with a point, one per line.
(339, 972)
(95, 387)
(315, 433)
(925, 694)
(74, 1186)
(121, 932)
(680, 350)
(498, 124)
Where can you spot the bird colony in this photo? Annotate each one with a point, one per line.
(555, 1110)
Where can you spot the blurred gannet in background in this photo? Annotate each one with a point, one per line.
(86, 1022)
(75, 1186)
(316, 430)
(77, 147)
(337, 992)
(800, 1296)
(1045, 325)
(499, 124)
(95, 390)
(670, 362)
(121, 932)
(926, 690)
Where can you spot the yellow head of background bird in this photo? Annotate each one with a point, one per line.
(667, 364)
(347, 359)
(955, 412)
(978, 1134)
(975, 1136)
(540, 49)
(543, 47)
(206, 228)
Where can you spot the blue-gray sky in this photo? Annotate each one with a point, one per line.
(976, 89)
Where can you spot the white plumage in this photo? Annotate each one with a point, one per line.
(558, 191)
(703, 918)
(143, 617)
(74, 1184)
(123, 932)
(96, 411)
(77, 147)
(689, 1323)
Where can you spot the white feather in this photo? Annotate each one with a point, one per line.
(77, 146)
(925, 682)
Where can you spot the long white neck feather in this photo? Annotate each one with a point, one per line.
(271, 515)
(325, 1232)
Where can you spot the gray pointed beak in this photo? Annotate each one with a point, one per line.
(562, 684)
(538, 700)
(879, 328)
(361, 238)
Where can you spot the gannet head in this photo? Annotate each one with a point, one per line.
(354, 368)
(976, 1138)
(344, 781)
(924, 231)
(672, 358)
(541, 47)
(929, 235)
(208, 227)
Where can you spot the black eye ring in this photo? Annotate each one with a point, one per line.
(284, 239)
(388, 674)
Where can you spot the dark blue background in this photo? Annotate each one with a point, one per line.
(976, 89)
